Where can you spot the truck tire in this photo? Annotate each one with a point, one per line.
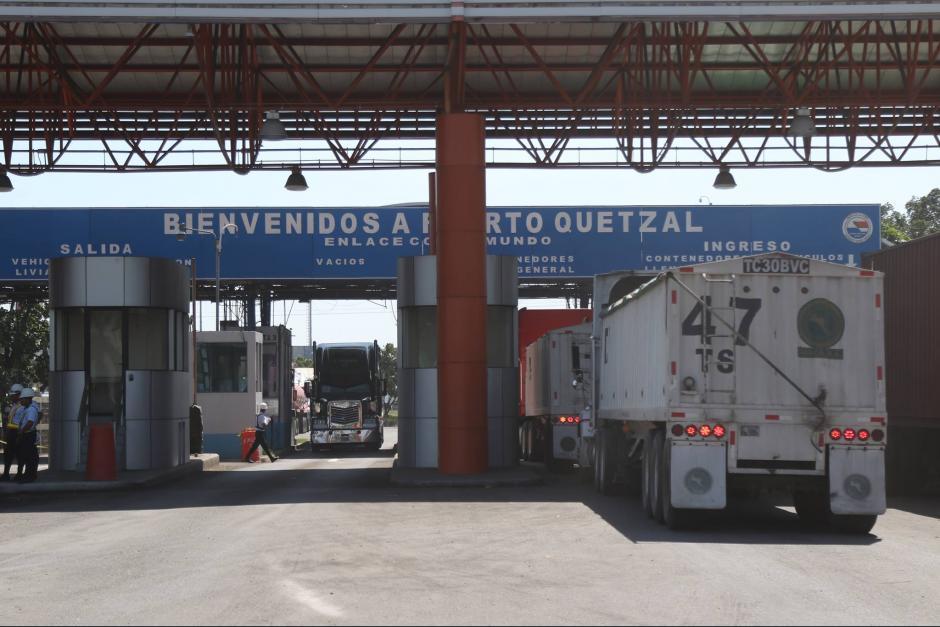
(604, 467)
(673, 517)
(812, 508)
(656, 475)
(599, 463)
(856, 524)
(646, 480)
(548, 454)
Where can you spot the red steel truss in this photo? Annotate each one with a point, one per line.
(120, 97)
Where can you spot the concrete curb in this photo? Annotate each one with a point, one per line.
(206, 461)
(431, 478)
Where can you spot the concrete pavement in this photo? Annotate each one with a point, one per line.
(325, 539)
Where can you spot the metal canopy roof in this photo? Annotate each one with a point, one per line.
(561, 84)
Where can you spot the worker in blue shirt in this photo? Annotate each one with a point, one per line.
(262, 420)
(27, 454)
(10, 432)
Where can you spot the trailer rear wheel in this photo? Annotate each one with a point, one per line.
(656, 475)
(674, 517)
(858, 524)
(811, 507)
(603, 465)
(646, 480)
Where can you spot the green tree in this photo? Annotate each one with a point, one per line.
(24, 342)
(894, 226)
(303, 362)
(923, 214)
(388, 365)
(921, 217)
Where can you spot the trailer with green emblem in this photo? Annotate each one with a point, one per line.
(747, 374)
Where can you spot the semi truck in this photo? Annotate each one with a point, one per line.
(745, 375)
(348, 390)
(558, 386)
(533, 323)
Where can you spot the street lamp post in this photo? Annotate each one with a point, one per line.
(227, 227)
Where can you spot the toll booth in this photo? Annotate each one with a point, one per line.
(119, 353)
(228, 387)
(417, 361)
(277, 384)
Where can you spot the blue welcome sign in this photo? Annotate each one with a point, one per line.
(365, 242)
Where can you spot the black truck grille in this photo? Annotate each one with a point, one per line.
(344, 416)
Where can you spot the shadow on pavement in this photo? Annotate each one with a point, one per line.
(921, 506)
(742, 523)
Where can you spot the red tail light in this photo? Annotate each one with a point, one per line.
(877, 435)
(691, 431)
(849, 434)
(678, 430)
(863, 435)
(719, 431)
(835, 434)
(704, 431)
(577, 420)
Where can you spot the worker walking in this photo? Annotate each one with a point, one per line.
(10, 432)
(27, 453)
(262, 420)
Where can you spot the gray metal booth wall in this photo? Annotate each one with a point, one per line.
(417, 361)
(120, 352)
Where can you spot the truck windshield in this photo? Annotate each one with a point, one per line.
(344, 373)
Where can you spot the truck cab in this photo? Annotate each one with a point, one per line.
(348, 392)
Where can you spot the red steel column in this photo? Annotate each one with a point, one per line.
(461, 294)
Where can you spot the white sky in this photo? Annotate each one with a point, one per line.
(358, 320)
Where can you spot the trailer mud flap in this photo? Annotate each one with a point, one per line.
(698, 474)
(857, 480)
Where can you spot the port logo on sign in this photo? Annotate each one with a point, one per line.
(820, 324)
(857, 228)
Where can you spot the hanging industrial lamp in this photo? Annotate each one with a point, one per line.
(273, 129)
(296, 181)
(724, 180)
(5, 184)
(802, 124)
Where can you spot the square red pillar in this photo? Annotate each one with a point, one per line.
(461, 294)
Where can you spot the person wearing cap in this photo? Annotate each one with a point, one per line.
(27, 453)
(10, 432)
(262, 420)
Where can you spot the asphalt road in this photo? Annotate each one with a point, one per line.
(325, 539)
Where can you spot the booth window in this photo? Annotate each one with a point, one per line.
(69, 339)
(269, 380)
(499, 336)
(222, 367)
(182, 333)
(419, 325)
(147, 339)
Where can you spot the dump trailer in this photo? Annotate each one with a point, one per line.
(558, 389)
(533, 323)
(750, 374)
(349, 389)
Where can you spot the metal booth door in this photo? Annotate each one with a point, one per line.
(106, 370)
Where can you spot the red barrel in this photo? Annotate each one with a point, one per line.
(102, 461)
(248, 438)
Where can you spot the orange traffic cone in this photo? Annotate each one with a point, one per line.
(102, 464)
